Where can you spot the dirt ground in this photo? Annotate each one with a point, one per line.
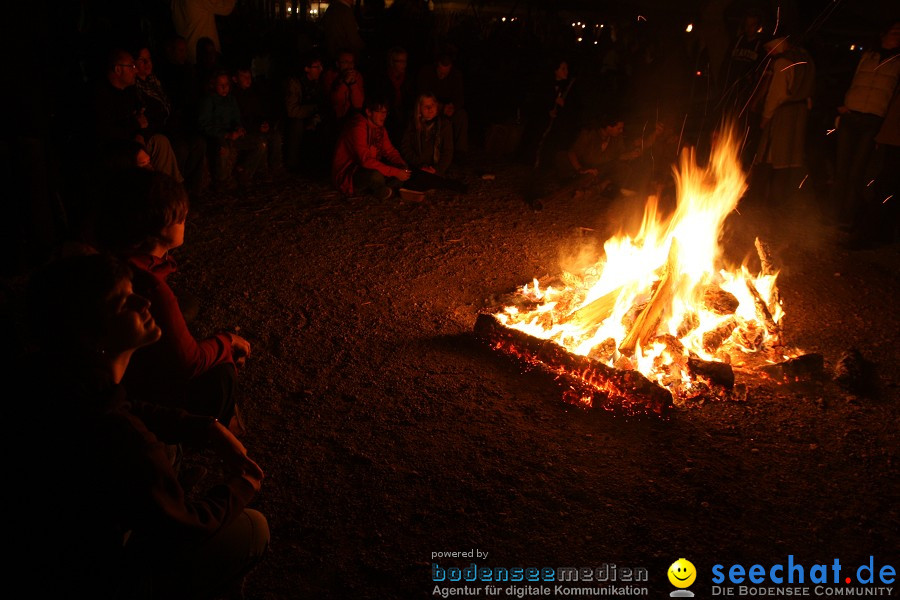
(388, 433)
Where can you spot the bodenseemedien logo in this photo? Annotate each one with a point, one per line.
(682, 575)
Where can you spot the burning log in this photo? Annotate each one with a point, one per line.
(768, 268)
(603, 386)
(604, 351)
(689, 323)
(807, 366)
(716, 337)
(645, 325)
(717, 300)
(596, 311)
(762, 311)
(715, 372)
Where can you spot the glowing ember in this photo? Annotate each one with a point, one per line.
(663, 301)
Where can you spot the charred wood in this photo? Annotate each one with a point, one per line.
(648, 320)
(717, 300)
(808, 366)
(714, 372)
(714, 338)
(606, 387)
(762, 311)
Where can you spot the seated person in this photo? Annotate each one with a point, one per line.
(162, 116)
(256, 115)
(141, 219)
(345, 87)
(309, 124)
(599, 150)
(364, 159)
(229, 142)
(119, 114)
(428, 148)
(445, 81)
(104, 512)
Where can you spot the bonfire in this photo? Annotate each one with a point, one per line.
(660, 319)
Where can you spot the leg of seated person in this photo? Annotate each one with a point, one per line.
(213, 393)
(460, 123)
(190, 149)
(368, 180)
(251, 156)
(422, 182)
(218, 564)
(293, 142)
(274, 145)
(163, 157)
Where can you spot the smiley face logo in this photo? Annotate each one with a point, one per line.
(682, 573)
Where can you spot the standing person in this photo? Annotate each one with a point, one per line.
(865, 104)
(542, 108)
(365, 160)
(105, 514)
(340, 29)
(785, 112)
(196, 19)
(879, 222)
(741, 72)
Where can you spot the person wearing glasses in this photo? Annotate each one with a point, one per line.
(119, 114)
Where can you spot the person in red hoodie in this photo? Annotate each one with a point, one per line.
(142, 219)
(365, 160)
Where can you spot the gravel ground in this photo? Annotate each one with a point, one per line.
(388, 433)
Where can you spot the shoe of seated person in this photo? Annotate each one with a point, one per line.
(412, 195)
(384, 193)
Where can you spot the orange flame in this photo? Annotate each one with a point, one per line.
(643, 305)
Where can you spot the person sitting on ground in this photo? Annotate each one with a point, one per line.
(141, 220)
(345, 87)
(365, 160)
(599, 150)
(119, 114)
(256, 115)
(427, 147)
(189, 147)
(445, 81)
(229, 142)
(308, 123)
(105, 514)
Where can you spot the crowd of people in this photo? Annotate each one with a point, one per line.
(124, 388)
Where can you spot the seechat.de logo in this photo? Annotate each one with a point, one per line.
(682, 574)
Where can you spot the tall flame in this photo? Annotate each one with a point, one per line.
(646, 304)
